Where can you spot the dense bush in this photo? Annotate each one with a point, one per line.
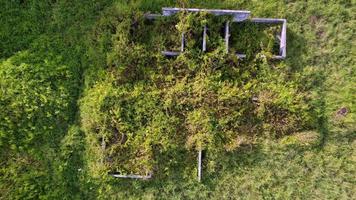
(39, 88)
(37, 100)
(21, 23)
(213, 100)
(36, 97)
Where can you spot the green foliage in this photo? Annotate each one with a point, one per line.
(222, 103)
(37, 98)
(21, 23)
(212, 101)
(70, 175)
(278, 130)
(250, 38)
(38, 91)
(127, 123)
(24, 177)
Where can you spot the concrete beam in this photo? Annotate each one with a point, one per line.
(239, 15)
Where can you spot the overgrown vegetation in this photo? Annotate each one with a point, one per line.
(85, 91)
(203, 101)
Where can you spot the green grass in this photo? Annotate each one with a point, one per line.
(317, 165)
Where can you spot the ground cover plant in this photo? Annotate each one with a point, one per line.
(85, 91)
(250, 38)
(202, 101)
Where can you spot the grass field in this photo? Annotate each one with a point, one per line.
(53, 53)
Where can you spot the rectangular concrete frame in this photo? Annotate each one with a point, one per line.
(239, 16)
(283, 36)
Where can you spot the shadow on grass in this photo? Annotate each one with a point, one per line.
(298, 60)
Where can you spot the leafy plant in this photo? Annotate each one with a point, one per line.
(149, 104)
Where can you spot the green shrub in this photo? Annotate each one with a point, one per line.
(37, 98)
(21, 23)
(149, 103)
